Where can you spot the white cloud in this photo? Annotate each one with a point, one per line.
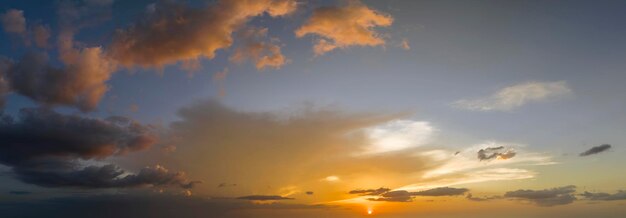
(398, 135)
(515, 96)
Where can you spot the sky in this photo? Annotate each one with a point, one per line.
(322, 108)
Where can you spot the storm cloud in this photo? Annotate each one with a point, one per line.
(596, 150)
(48, 149)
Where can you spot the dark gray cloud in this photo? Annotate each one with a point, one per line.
(546, 197)
(309, 193)
(79, 83)
(601, 196)
(264, 198)
(394, 196)
(144, 205)
(20, 192)
(378, 191)
(45, 148)
(495, 152)
(406, 196)
(443, 191)
(596, 149)
(224, 185)
(472, 198)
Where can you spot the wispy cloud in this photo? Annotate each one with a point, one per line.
(516, 96)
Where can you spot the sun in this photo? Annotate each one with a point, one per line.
(369, 212)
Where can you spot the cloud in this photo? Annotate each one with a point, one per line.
(443, 191)
(48, 149)
(13, 21)
(601, 196)
(80, 79)
(378, 191)
(224, 185)
(342, 27)
(80, 83)
(395, 196)
(546, 197)
(406, 196)
(472, 198)
(170, 31)
(398, 135)
(495, 153)
(596, 150)
(151, 205)
(41, 34)
(265, 53)
(405, 44)
(20, 192)
(264, 198)
(515, 96)
(309, 193)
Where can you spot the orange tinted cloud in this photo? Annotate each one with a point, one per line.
(341, 27)
(257, 48)
(172, 32)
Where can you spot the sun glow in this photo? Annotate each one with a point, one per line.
(369, 212)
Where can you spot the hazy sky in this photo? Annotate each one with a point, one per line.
(288, 108)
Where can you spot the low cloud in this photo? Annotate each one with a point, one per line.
(13, 21)
(264, 198)
(47, 148)
(256, 47)
(443, 191)
(171, 31)
(472, 198)
(516, 96)
(596, 150)
(342, 27)
(602, 196)
(499, 152)
(546, 197)
(378, 191)
(20, 192)
(406, 196)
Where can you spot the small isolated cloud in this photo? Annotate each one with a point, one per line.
(601, 196)
(225, 185)
(342, 27)
(378, 191)
(546, 197)
(264, 198)
(596, 150)
(332, 179)
(264, 52)
(405, 44)
(515, 96)
(495, 153)
(309, 193)
(13, 21)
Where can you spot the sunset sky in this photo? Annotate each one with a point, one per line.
(322, 108)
